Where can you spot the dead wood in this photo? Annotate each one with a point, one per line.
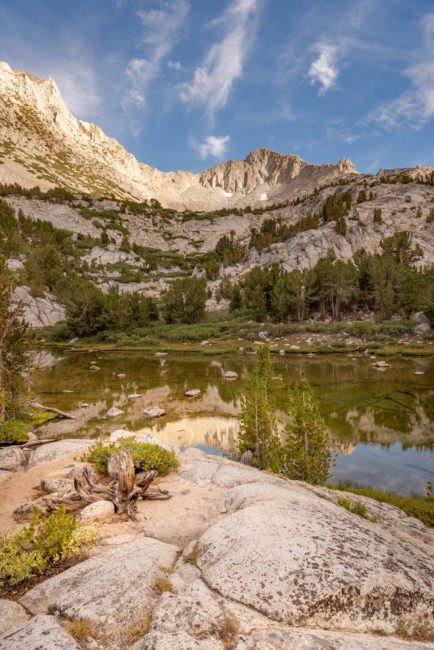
(62, 414)
(122, 490)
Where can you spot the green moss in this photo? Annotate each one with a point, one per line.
(40, 416)
(13, 432)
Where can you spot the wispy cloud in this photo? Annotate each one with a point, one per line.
(161, 30)
(415, 106)
(213, 146)
(324, 70)
(224, 61)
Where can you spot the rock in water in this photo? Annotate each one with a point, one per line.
(194, 392)
(108, 589)
(230, 374)
(154, 412)
(114, 412)
(39, 633)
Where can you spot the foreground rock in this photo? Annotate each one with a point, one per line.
(11, 458)
(108, 589)
(53, 450)
(11, 614)
(40, 633)
(348, 573)
(97, 511)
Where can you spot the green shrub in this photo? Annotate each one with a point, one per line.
(44, 541)
(419, 507)
(13, 431)
(145, 455)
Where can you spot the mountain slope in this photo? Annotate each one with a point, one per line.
(42, 143)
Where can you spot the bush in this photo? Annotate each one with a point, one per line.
(419, 507)
(145, 455)
(13, 432)
(45, 541)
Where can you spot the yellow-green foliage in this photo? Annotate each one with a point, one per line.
(162, 584)
(44, 541)
(420, 507)
(145, 455)
(41, 415)
(13, 432)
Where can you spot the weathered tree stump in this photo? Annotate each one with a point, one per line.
(122, 490)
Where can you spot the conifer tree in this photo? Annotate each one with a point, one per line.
(13, 349)
(258, 427)
(306, 455)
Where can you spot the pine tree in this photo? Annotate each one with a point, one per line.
(13, 349)
(258, 423)
(306, 455)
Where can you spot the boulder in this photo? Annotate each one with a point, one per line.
(193, 392)
(39, 633)
(51, 485)
(154, 412)
(121, 375)
(301, 561)
(420, 317)
(11, 614)
(11, 458)
(107, 589)
(53, 450)
(423, 327)
(134, 396)
(114, 412)
(230, 374)
(97, 511)
(25, 511)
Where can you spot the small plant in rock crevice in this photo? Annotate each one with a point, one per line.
(357, 509)
(80, 629)
(192, 556)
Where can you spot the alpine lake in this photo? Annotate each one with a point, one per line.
(381, 423)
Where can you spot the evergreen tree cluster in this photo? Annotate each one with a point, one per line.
(385, 283)
(300, 450)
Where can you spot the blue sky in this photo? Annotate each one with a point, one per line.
(186, 84)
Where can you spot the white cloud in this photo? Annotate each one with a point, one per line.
(415, 106)
(213, 146)
(324, 69)
(224, 61)
(175, 65)
(161, 30)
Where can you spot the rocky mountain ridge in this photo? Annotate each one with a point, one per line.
(43, 144)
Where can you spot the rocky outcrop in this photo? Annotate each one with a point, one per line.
(39, 633)
(11, 458)
(11, 614)
(108, 590)
(53, 450)
(39, 311)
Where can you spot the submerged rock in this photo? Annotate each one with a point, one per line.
(230, 374)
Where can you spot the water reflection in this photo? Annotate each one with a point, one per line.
(377, 421)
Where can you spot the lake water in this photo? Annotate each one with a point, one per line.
(381, 423)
